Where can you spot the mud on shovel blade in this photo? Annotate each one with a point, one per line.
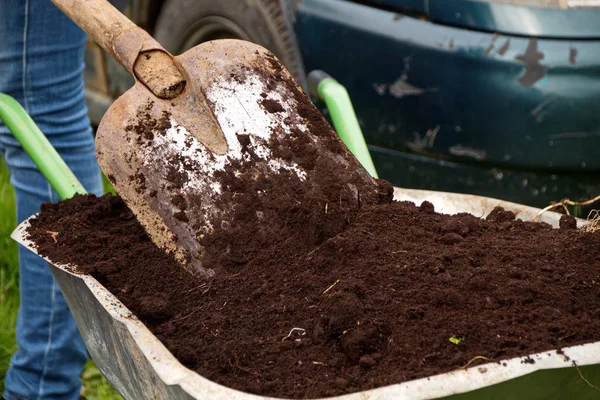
(203, 154)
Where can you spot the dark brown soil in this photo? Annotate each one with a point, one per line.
(372, 305)
(258, 205)
(323, 286)
(271, 106)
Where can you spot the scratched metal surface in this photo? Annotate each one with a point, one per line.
(450, 93)
(140, 367)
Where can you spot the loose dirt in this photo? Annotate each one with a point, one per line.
(276, 181)
(331, 288)
(375, 304)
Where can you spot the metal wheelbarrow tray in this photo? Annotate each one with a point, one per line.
(140, 367)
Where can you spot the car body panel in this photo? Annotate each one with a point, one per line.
(517, 20)
(412, 5)
(459, 93)
(551, 19)
(535, 188)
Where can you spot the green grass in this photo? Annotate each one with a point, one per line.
(107, 186)
(9, 283)
(95, 386)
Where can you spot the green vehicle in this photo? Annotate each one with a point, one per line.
(499, 98)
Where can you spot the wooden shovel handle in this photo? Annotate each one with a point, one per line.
(129, 44)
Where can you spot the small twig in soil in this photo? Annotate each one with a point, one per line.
(194, 289)
(318, 363)
(399, 251)
(551, 207)
(188, 315)
(564, 203)
(301, 330)
(593, 221)
(331, 286)
(53, 235)
(315, 249)
(367, 232)
(583, 377)
(326, 207)
(471, 361)
(567, 337)
(206, 287)
(237, 365)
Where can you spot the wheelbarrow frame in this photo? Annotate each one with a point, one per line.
(139, 366)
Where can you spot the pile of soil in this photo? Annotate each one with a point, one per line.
(257, 204)
(374, 304)
(324, 286)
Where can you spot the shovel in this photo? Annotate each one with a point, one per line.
(219, 145)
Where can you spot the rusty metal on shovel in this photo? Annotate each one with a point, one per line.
(163, 143)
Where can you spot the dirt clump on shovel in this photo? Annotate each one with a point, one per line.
(373, 305)
(285, 173)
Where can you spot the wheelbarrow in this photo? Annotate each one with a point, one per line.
(139, 366)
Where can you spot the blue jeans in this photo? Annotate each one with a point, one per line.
(41, 65)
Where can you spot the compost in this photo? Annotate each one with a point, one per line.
(342, 291)
(374, 305)
(275, 180)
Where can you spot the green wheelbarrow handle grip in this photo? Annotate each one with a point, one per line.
(33, 141)
(342, 113)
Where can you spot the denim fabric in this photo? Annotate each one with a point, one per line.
(41, 65)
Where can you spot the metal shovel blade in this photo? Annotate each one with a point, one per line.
(213, 159)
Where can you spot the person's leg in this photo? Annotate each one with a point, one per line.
(41, 65)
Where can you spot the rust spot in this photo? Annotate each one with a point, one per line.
(502, 50)
(451, 44)
(573, 56)
(534, 71)
(488, 51)
(398, 17)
